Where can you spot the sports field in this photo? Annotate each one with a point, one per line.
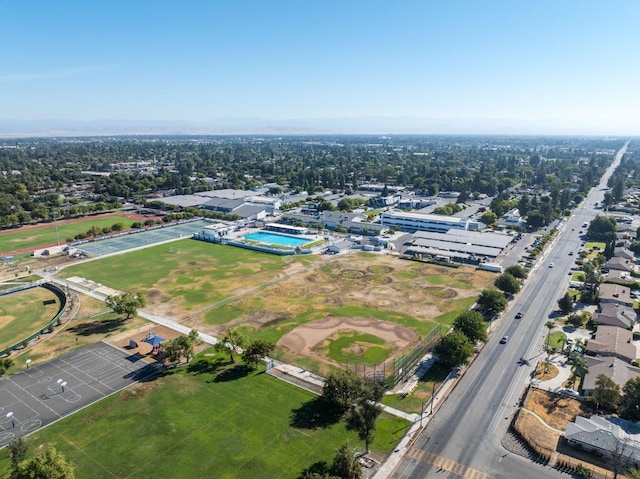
(208, 421)
(25, 238)
(305, 304)
(185, 275)
(24, 313)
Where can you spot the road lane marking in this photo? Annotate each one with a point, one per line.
(446, 464)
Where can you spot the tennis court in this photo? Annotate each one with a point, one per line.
(40, 395)
(142, 239)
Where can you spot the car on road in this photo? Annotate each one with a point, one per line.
(551, 265)
(504, 340)
(518, 315)
(570, 253)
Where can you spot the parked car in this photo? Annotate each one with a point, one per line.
(569, 392)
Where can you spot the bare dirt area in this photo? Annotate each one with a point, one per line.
(556, 410)
(305, 339)
(383, 283)
(541, 422)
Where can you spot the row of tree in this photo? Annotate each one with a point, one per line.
(37, 173)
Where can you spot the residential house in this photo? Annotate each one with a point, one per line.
(615, 315)
(625, 253)
(612, 367)
(613, 437)
(613, 341)
(615, 293)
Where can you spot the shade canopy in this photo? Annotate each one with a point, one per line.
(153, 339)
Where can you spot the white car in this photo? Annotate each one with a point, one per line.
(551, 265)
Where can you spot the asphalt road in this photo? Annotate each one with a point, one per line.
(463, 439)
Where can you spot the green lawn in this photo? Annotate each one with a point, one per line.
(373, 348)
(557, 339)
(33, 238)
(205, 422)
(202, 273)
(414, 402)
(24, 313)
(578, 276)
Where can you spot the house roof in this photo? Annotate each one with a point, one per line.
(615, 293)
(613, 435)
(618, 263)
(613, 341)
(616, 369)
(615, 315)
(622, 252)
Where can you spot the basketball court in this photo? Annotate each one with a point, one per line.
(40, 395)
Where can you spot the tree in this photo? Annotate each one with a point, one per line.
(516, 271)
(50, 464)
(507, 283)
(17, 449)
(489, 218)
(363, 419)
(255, 351)
(231, 342)
(602, 228)
(630, 406)
(182, 346)
(549, 325)
(472, 325)
(579, 366)
(492, 301)
(566, 303)
(345, 463)
(454, 349)
(535, 219)
(606, 394)
(126, 303)
(342, 388)
(5, 365)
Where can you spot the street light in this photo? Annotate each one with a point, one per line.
(56, 225)
(63, 384)
(28, 361)
(13, 421)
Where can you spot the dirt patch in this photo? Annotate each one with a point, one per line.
(540, 437)
(557, 411)
(308, 339)
(544, 372)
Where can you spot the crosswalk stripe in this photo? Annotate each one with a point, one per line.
(447, 464)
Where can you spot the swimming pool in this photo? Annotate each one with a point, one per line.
(280, 240)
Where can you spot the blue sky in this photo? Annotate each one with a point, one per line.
(536, 61)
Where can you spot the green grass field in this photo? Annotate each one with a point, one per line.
(557, 339)
(202, 273)
(21, 239)
(205, 421)
(23, 314)
(372, 348)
